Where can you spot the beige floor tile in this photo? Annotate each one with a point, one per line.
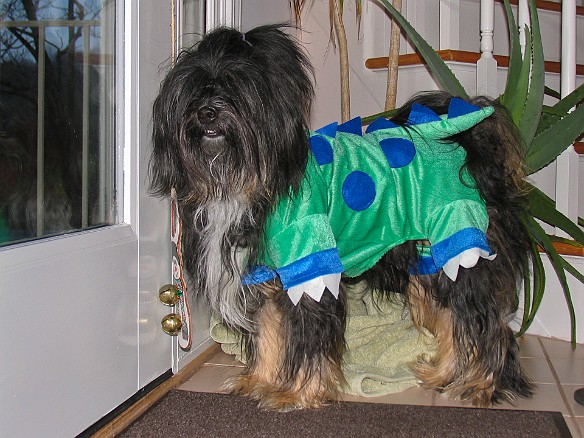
(577, 408)
(538, 369)
(547, 397)
(210, 378)
(560, 349)
(224, 359)
(442, 400)
(413, 396)
(569, 371)
(580, 423)
(575, 428)
(529, 346)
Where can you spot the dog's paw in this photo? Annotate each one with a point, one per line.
(273, 398)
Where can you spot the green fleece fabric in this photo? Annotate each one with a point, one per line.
(381, 342)
(363, 194)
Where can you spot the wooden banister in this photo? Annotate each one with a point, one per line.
(548, 6)
(459, 56)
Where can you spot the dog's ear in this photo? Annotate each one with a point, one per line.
(288, 92)
(165, 167)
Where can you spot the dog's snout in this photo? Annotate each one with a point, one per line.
(207, 114)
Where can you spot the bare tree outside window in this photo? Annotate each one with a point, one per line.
(57, 66)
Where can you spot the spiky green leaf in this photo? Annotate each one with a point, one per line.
(534, 101)
(532, 298)
(515, 58)
(544, 208)
(384, 114)
(571, 100)
(552, 93)
(518, 95)
(556, 261)
(547, 145)
(572, 270)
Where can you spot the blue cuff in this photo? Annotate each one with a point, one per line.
(258, 274)
(459, 242)
(310, 267)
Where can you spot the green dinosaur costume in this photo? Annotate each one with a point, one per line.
(363, 194)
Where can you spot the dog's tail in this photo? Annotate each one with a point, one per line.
(495, 159)
(494, 151)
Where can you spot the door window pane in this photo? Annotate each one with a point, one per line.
(57, 114)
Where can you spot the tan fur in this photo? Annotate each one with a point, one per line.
(444, 370)
(263, 382)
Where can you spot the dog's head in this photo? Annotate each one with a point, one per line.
(231, 116)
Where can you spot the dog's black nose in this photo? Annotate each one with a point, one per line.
(206, 114)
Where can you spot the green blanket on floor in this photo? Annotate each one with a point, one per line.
(381, 342)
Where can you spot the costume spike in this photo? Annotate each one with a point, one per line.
(329, 130)
(459, 107)
(353, 126)
(380, 123)
(421, 114)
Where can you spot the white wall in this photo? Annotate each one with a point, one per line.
(257, 12)
(365, 97)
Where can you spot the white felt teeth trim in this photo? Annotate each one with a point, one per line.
(466, 259)
(315, 288)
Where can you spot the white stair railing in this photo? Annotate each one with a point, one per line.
(567, 162)
(487, 65)
(567, 166)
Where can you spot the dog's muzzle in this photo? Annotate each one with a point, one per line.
(207, 116)
(213, 136)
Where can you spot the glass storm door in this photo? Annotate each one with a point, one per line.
(83, 247)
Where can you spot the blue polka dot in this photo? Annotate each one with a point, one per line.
(399, 152)
(321, 149)
(358, 190)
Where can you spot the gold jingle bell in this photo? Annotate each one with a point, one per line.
(169, 294)
(171, 324)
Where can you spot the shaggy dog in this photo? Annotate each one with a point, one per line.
(279, 219)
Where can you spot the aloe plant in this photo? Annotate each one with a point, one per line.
(547, 131)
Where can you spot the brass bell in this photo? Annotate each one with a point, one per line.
(171, 324)
(169, 294)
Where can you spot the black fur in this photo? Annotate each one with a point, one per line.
(229, 134)
(483, 298)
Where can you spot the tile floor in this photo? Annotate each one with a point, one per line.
(552, 364)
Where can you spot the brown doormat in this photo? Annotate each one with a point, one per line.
(196, 414)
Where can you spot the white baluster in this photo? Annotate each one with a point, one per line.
(449, 24)
(567, 162)
(487, 65)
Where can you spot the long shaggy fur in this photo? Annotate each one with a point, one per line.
(229, 133)
(225, 181)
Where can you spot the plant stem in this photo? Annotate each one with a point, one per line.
(392, 63)
(344, 62)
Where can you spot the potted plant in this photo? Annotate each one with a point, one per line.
(546, 130)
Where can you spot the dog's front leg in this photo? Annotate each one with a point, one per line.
(294, 357)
